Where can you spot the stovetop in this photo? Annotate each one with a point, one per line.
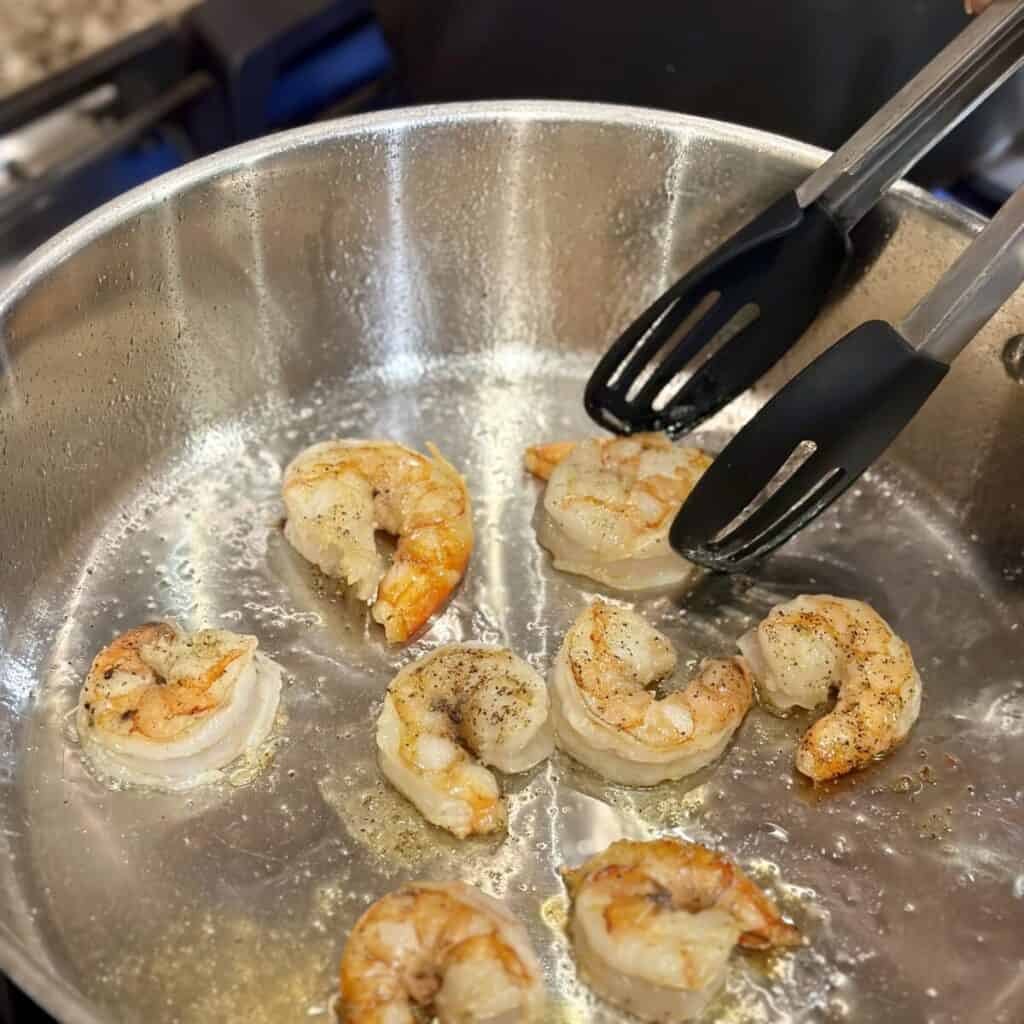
(46, 36)
(17, 1008)
(223, 72)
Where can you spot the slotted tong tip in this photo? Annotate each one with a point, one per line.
(844, 409)
(731, 318)
(767, 282)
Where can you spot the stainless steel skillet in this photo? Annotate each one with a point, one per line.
(422, 272)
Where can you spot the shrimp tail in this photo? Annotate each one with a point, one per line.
(541, 459)
(408, 595)
(415, 588)
(445, 466)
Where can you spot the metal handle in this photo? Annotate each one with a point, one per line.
(970, 293)
(920, 115)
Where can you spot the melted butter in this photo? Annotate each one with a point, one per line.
(554, 912)
(258, 760)
(223, 968)
(561, 1011)
(661, 808)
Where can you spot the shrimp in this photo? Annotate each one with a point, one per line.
(338, 493)
(444, 946)
(443, 715)
(606, 718)
(808, 646)
(609, 504)
(541, 459)
(653, 925)
(163, 708)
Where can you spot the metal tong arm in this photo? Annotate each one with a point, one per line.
(971, 291)
(920, 115)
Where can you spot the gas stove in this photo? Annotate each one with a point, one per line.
(229, 70)
(222, 73)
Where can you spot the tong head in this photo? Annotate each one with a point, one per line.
(721, 326)
(833, 419)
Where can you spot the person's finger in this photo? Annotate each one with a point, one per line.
(976, 6)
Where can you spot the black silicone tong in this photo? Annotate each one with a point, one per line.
(839, 414)
(728, 320)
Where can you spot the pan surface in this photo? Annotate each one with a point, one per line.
(450, 275)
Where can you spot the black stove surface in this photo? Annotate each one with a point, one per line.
(17, 1008)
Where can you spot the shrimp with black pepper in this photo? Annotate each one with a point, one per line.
(606, 716)
(339, 493)
(445, 948)
(168, 709)
(446, 716)
(609, 504)
(813, 644)
(653, 925)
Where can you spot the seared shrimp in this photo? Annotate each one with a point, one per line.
(606, 717)
(445, 714)
(541, 459)
(609, 504)
(808, 646)
(167, 709)
(653, 925)
(338, 493)
(446, 947)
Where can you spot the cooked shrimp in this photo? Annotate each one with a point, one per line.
(606, 717)
(446, 947)
(164, 708)
(541, 459)
(808, 646)
(609, 504)
(338, 493)
(653, 925)
(445, 714)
